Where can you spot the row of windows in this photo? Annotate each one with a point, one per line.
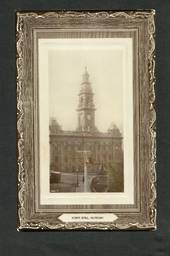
(86, 143)
(86, 147)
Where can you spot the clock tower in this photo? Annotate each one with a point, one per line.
(86, 108)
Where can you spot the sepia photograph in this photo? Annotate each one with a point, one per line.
(85, 87)
(85, 117)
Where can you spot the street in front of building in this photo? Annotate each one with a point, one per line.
(75, 182)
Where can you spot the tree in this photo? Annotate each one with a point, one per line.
(115, 178)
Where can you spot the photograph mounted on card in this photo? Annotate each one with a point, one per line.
(86, 120)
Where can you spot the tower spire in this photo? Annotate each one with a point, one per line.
(85, 76)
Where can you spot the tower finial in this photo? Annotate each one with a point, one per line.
(86, 75)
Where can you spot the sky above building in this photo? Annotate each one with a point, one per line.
(67, 60)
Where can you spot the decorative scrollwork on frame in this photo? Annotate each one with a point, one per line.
(131, 16)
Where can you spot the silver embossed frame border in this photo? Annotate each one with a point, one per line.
(136, 24)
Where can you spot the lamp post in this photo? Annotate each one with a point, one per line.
(85, 158)
(85, 161)
(77, 178)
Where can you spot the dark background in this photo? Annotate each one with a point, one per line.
(139, 243)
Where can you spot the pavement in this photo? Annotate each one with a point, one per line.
(71, 182)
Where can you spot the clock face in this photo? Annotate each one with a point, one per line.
(89, 117)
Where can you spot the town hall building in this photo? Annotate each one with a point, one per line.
(103, 148)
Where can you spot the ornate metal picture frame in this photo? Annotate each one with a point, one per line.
(77, 174)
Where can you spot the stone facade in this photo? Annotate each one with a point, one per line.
(103, 149)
